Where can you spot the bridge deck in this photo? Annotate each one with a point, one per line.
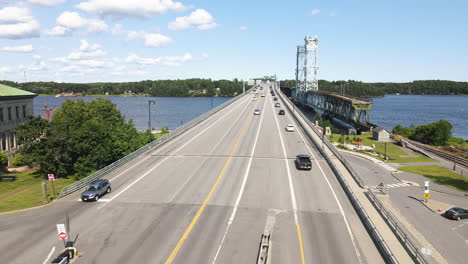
(353, 99)
(210, 193)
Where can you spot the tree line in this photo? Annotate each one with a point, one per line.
(438, 133)
(188, 87)
(357, 88)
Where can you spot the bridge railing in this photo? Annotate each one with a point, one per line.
(154, 144)
(406, 239)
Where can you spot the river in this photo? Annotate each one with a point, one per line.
(167, 111)
(387, 111)
(391, 110)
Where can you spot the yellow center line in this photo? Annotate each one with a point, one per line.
(301, 246)
(208, 197)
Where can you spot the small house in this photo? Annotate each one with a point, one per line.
(380, 134)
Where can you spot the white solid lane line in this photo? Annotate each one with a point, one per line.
(163, 147)
(329, 185)
(241, 191)
(212, 150)
(50, 255)
(179, 148)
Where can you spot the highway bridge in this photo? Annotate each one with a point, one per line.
(207, 196)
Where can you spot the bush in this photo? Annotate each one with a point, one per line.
(3, 159)
(20, 160)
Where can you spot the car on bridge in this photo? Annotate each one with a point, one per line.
(254, 99)
(281, 112)
(290, 128)
(257, 112)
(95, 190)
(263, 95)
(277, 105)
(276, 98)
(303, 162)
(456, 213)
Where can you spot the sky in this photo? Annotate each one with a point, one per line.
(131, 40)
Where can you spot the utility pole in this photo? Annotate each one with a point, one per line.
(149, 119)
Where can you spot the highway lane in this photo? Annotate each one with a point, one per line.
(154, 203)
(38, 225)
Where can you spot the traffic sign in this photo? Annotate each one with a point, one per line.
(427, 195)
(62, 235)
(51, 177)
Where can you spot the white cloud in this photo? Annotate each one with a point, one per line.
(332, 14)
(126, 8)
(6, 69)
(84, 55)
(37, 57)
(165, 60)
(204, 55)
(23, 49)
(70, 21)
(39, 66)
(16, 22)
(48, 3)
(156, 40)
(242, 28)
(315, 12)
(58, 31)
(199, 18)
(151, 39)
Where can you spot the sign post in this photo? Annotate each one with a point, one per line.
(52, 178)
(62, 232)
(44, 191)
(426, 191)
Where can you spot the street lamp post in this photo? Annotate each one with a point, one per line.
(149, 119)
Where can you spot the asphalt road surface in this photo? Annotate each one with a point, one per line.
(206, 197)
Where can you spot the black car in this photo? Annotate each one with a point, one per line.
(95, 190)
(281, 112)
(276, 98)
(456, 213)
(303, 162)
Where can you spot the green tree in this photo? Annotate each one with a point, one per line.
(80, 139)
(3, 159)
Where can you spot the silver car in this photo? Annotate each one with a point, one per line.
(96, 190)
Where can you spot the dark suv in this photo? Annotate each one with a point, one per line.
(95, 190)
(303, 162)
(281, 112)
(456, 213)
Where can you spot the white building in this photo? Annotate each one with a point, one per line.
(15, 106)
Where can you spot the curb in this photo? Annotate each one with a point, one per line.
(30, 208)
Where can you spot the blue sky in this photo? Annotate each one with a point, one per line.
(121, 40)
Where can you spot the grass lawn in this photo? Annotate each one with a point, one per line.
(394, 152)
(440, 175)
(29, 197)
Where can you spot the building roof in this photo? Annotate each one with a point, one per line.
(10, 91)
(379, 128)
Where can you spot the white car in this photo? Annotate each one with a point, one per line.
(254, 99)
(256, 112)
(263, 95)
(290, 128)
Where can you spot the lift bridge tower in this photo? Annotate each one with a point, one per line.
(350, 109)
(306, 67)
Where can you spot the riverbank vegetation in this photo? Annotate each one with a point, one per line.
(438, 134)
(81, 138)
(188, 87)
(356, 88)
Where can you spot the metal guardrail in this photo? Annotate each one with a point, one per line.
(370, 226)
(391, 220)
(397, 228)
(69, 189)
